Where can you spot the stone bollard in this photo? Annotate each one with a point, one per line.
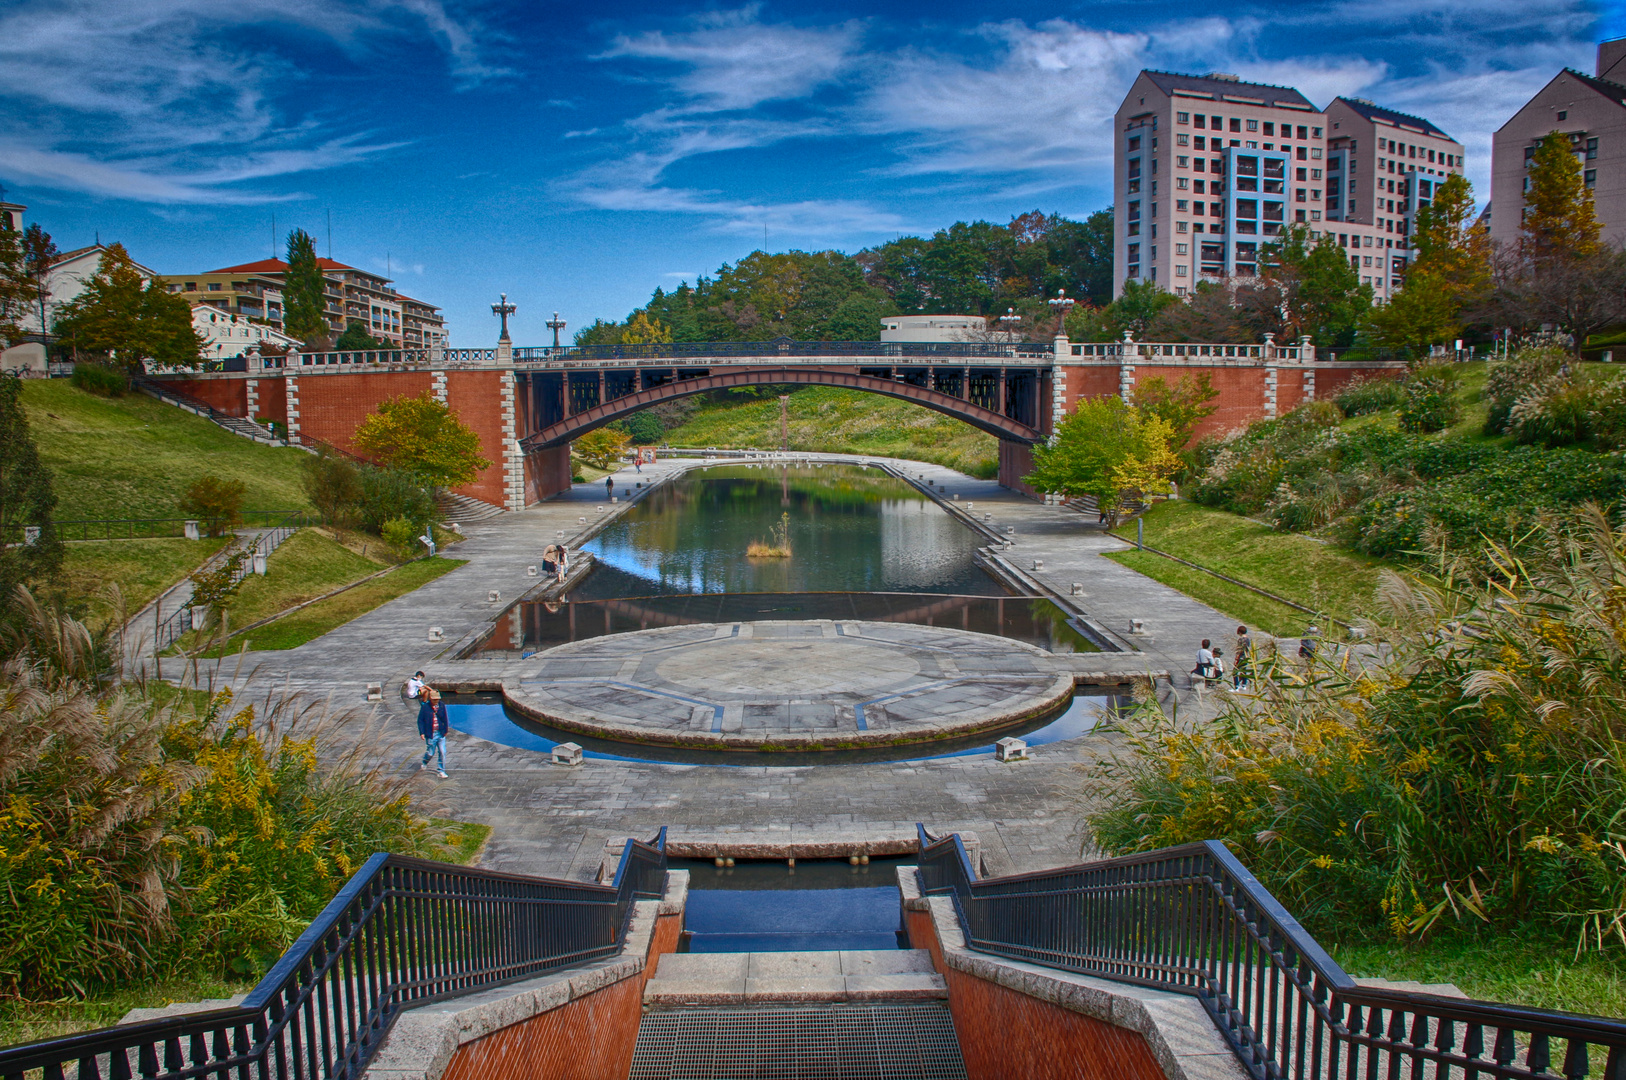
(1136, 626)
(437, 634)
(31, 535)
(598, 509)
(581, 521)
(1078, 588)
(191, 528)
(375, 691)
(615, 499)
(1038, 564)
(259, 563)
(456, 528)
(956, 496)
(1010, 749)
(567, 753)
(493, 595)
(530, 571)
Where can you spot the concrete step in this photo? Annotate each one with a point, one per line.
(1411, 986)
(465, 510)
(689, 980)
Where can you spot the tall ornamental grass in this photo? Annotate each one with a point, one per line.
(1470, 770)
(146, 830)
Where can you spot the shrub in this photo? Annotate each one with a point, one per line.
(400, 534)
(1506, 381)
(143, 827)
(217, 503)
(103, 380)
(1369, 396)
(1472, 772)
(391, 493)
(1556, 412)
(333, 485)
(1429, 400)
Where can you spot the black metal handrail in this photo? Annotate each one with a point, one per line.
(150, 528)
(1192, 920)
(401, 932)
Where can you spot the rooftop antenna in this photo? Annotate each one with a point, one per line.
(273, 234)
(330, 236)
(765, 238)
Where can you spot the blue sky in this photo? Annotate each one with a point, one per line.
(577, 156)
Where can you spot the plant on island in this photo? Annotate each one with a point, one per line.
(779, 548)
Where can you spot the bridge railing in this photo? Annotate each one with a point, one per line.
(1192, 920)
(401, 932)
(922, 351)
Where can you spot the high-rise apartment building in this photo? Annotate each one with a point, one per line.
(352, 296)
(1208, 169)
(1588, 110)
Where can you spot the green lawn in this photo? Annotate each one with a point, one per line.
(134, 457)
(1328, 579)
(142, 569)
(1539, 972)
(312, 622)
(834, 421)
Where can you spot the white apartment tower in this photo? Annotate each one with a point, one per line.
(1208, 169)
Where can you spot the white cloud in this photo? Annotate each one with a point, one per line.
(733, 61)
(169, 100)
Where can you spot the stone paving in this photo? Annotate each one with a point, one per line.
(550, 819)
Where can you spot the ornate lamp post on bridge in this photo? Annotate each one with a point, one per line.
(505, 347)
(1062, 352)
(555, 324)
(1007, 323)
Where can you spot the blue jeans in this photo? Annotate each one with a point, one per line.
(435, 747)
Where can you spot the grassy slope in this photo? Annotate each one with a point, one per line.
(829, 420)
(1321, 576)
(310, 623)
(134, 457)
(142, 569)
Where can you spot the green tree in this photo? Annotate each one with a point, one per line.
(217, 503)
(27, 498)
(39, 253)
(602, 447)
(1452, 247)
(1426, 312)
(333, 485)
(126, 320)
(1320, 290)
(16, 299)
(356, 339)
(304, 296)
(1558, 217)
(424, 437)
(1105, 447)
(1139, 304)
(1182, 406)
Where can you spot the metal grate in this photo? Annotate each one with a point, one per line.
(864, 1042)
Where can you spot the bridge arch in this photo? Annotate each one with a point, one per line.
(578, 424)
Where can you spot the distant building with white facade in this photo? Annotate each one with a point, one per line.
(226, 335)
(933, 328)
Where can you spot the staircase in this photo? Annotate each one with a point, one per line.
(880, 1013)
(464, 510)
(237, 425)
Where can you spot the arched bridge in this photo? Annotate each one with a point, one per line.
(1002, 405)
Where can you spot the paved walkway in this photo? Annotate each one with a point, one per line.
(552, 819)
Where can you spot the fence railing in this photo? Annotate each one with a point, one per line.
(402, 932)
(182, 620)
(1192, 919)
(139, 528)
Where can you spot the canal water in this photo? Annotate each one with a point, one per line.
(865, 545)
(817, 906)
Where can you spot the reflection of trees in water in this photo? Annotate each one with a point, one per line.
(1030, 619)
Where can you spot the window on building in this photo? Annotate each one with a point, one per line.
(1563, 114)
(1253, 125)
(215, 286)
(1202, 143)
(1200, 121)
(1134, 143)
(1236, 124)
(1180, 226)
(1217, 123)
(1315, 132)
(1301, 174)
(1247, 208)
(1300, 215)
(1270, 128)
(1216, 209)
(1592, 149)
(1182, 140)
(1198, 208)
(1200, 187)
(1182, 118)
(1303, 154)
(1273, 210)
(1591, 177)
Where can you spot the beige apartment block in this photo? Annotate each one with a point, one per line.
(246, 295)
(352, 295)
(1588, 110)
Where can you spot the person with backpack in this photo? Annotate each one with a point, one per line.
(434, 726)
(1205, 661)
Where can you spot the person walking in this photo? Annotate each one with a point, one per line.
(609, 486)
(1242, 674)
(433, 725)
(638, 462)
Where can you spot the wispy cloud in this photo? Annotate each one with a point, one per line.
(176, 101)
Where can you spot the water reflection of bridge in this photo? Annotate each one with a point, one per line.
(535, 626)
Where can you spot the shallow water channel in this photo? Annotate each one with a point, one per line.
(817, 906)
(864, 544)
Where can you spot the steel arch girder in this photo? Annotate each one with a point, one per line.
(573, 427)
